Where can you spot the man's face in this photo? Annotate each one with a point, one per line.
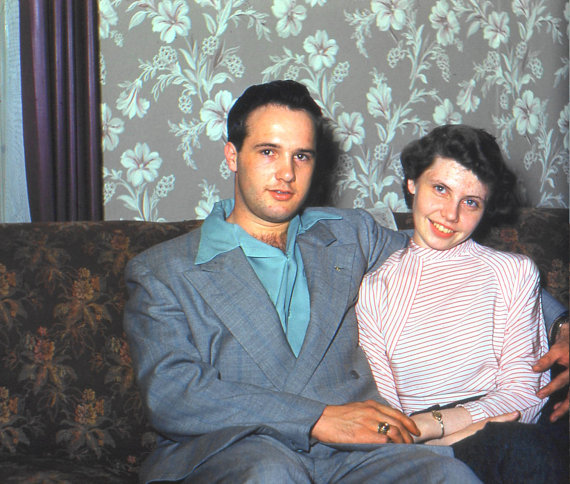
(273, 169)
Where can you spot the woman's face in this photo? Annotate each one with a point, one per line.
(449, 202)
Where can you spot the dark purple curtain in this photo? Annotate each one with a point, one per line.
(61, 109)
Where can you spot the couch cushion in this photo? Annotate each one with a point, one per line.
(41, 470)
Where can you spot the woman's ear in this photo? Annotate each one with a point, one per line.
(411, 186)
(231, 155)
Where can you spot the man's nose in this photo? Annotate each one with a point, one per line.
(286, 169)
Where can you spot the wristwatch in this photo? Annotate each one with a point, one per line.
(439, 417)
(555, 329)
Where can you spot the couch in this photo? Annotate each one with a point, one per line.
(69, 407)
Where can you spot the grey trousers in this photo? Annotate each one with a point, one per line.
(261, 459)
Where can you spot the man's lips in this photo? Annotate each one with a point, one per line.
(281, 195)
(441, 230)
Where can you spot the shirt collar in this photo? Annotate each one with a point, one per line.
(219, 236)
(426, 253)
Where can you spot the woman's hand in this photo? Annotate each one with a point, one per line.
(473, 428)
(453, 419)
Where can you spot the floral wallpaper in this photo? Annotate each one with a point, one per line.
(383, 71)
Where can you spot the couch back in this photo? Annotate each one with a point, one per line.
(66, 383)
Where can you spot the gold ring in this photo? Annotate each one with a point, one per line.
(383, 428)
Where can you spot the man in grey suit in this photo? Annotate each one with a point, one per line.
(243, 333)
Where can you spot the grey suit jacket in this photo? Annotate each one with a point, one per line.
(211, 358)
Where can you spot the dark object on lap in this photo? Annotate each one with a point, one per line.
(513, 452)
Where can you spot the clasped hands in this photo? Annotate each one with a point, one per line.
(358, 423)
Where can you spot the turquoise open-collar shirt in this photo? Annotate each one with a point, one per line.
(282, 274)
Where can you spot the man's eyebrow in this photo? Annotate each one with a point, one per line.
(266, 145)
(276, 145)
(307, 150)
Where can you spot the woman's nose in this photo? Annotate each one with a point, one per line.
(450, 211)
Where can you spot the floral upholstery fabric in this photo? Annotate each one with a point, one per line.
(69, 407)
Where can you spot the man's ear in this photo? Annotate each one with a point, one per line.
(231, 155)
(411, 186)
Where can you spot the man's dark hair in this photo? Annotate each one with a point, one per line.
(476, 150)
(290, 94)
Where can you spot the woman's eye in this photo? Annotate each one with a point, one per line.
(472, 203)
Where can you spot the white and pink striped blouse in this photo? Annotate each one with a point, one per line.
(442, 326)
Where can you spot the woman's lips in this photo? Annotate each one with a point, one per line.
(441, 230)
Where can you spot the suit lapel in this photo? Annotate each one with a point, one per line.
(328, 267)
(231, 288)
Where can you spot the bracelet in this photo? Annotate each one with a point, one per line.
(439, 417)
(555, 329)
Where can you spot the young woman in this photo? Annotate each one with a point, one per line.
(452, 328)
(447, 322)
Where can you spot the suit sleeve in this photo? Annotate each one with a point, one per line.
(379, 241)
(552, 309)
(184, 394)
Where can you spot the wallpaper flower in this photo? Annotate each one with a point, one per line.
(383, 71)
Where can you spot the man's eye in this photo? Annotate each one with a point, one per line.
(266, 152)
(439, 188)
(302, 157)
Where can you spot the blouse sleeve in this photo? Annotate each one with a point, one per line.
(517, 345)
(371, 337)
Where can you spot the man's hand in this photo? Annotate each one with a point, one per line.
(558, 353)
(357, 423)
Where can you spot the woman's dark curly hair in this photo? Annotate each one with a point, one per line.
(477, 151)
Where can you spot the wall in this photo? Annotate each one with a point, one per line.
(384, 71)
